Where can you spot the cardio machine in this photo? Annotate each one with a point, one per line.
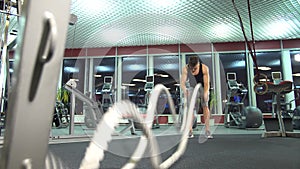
(107, 100)
(234, 107)
(93, 109)
(161, 102)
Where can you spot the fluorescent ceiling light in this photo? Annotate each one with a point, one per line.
(139, 80)
(164, 3)
(274, 62)
(113, 35)
(161, 75)
(135, 67)
(167, 30)
(297, 57)
(95, 6)
(296, 74)
(235, 64)
(278, 28)
(71, 69)
(221, 30)
(263, 68)
(128, 84)
(97, 75)
(104, 69)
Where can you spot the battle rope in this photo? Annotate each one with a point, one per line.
(125, 109)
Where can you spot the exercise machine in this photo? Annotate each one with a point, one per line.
(107, 99)
(276, 126)
(130, 125)
(41, 41)
(236, 93)
(61, 115)
(284, 106)
(236, 114)
(161, 102)
(93, 109)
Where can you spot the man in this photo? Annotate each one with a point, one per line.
(196, 72)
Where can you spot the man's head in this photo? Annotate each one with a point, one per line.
(193, 61)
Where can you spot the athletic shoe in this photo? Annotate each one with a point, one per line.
(191, 135)
(208, 135)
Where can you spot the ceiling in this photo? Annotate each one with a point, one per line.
(107, 23)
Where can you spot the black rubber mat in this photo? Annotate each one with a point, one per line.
(222, 152)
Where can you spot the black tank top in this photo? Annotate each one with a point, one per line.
(195, 79)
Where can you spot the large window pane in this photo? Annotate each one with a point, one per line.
(166, 71)
(74, 69)
(268, 62)
(133, 77)
(295, 59)
(233, 63)
(104, 68)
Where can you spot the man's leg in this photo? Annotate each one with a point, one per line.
(190, 92)
(206, 114)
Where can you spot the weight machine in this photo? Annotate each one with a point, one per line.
(41, 40)
(236, 94)
(277, 79)
(275, 127)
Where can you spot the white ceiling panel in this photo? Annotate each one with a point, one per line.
(107, 23)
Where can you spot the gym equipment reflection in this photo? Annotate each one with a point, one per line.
(277, 126)
(236, 115)
(95, 152)
(93, 109)
(107, 99)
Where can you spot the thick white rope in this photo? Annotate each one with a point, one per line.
(187, 121)
(103, 134)
(125, 109)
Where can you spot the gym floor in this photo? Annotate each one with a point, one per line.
(231, 148)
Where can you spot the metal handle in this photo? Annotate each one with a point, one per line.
(45, 52)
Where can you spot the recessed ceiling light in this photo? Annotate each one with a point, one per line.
(278, 28)
(161, 75)
(95, 6)
(138, 80)
(221, 30)
(97, 75)
(113, 35)
(297, 57)
(71, 69)
(164, 3)
(128, 84)
(104, 68)
(264, 68)
(296, 74)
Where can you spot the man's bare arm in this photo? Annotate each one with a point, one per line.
(206, 82)
(183, 80)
